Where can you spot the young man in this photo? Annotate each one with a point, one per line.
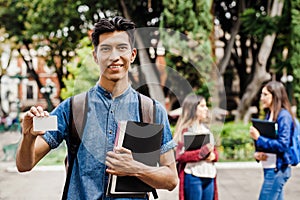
(112, 99)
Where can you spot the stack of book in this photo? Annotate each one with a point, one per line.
(144, 141)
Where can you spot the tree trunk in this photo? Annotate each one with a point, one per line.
(260, 74)
(233, 32)
(147, 67)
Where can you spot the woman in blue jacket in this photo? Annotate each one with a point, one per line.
(276, 163)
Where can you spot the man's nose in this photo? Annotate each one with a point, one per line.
(115, 54)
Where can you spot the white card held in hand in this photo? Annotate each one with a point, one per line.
(45, 123)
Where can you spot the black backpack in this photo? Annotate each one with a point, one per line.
(79, 105)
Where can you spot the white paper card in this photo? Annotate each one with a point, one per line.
(45, 123)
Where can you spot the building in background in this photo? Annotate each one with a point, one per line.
(19, 91)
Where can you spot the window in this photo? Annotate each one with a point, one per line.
(29, 92)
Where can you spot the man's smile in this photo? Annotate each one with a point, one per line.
(115, 66)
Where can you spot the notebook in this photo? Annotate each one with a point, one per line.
(193, 141)
(144, 140)
(266, 128)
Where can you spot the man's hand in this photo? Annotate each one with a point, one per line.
(32, 148)
(121, 163)
(27, 122)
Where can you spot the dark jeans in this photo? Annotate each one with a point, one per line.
(196, 188)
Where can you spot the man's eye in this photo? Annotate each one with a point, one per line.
(123, 48)
(105, 49)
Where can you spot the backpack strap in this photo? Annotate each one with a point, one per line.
(147, 112)
(147, 109)
(77, 119)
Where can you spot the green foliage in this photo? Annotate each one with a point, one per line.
(232, 140)
(55, 156)
(236, 144)
(53, 28)
(84, 72)
(13, 16)
(257, 24)
(204, 91)
(185, 29)
(295, 49)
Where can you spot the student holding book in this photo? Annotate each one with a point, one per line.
(275, 163)
(197, 172)
(110, 101)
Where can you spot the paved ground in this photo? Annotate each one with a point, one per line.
(235, 181)
(244, 184)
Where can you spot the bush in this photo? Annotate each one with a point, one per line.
(235, 142)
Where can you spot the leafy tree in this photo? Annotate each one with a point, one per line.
(84, 72)
(186, 27)
(259, 37)
(149, 11)
(261, 74)
(294, 50)
(59, 25)
(13, 16)
(3, 67)
(53, 28)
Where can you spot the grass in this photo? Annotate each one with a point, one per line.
(55, 156)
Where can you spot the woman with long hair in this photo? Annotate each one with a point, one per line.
(196, 168)
(275, 163)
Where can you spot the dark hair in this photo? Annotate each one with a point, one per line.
(280, 97)
(110, 25)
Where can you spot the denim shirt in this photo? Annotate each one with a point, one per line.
(280, 146)
(89, 179)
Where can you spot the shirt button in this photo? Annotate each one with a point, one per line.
(111, 111)
(107, 95)
(110, 131)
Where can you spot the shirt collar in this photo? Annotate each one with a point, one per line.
(107, 94)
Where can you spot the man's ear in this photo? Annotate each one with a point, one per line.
(133, 55)
(95, 56)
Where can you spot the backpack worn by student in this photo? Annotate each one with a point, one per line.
(295, 144)
(79, 105)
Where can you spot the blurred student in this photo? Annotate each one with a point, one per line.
(275, 163)
(197, 172)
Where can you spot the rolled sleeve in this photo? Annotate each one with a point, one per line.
(55, 138)
(167, 147)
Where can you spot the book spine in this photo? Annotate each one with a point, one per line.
(120, 133)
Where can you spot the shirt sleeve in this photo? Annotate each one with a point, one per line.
(281, 144)
(55, 138)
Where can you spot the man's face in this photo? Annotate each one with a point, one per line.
(114, 55)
